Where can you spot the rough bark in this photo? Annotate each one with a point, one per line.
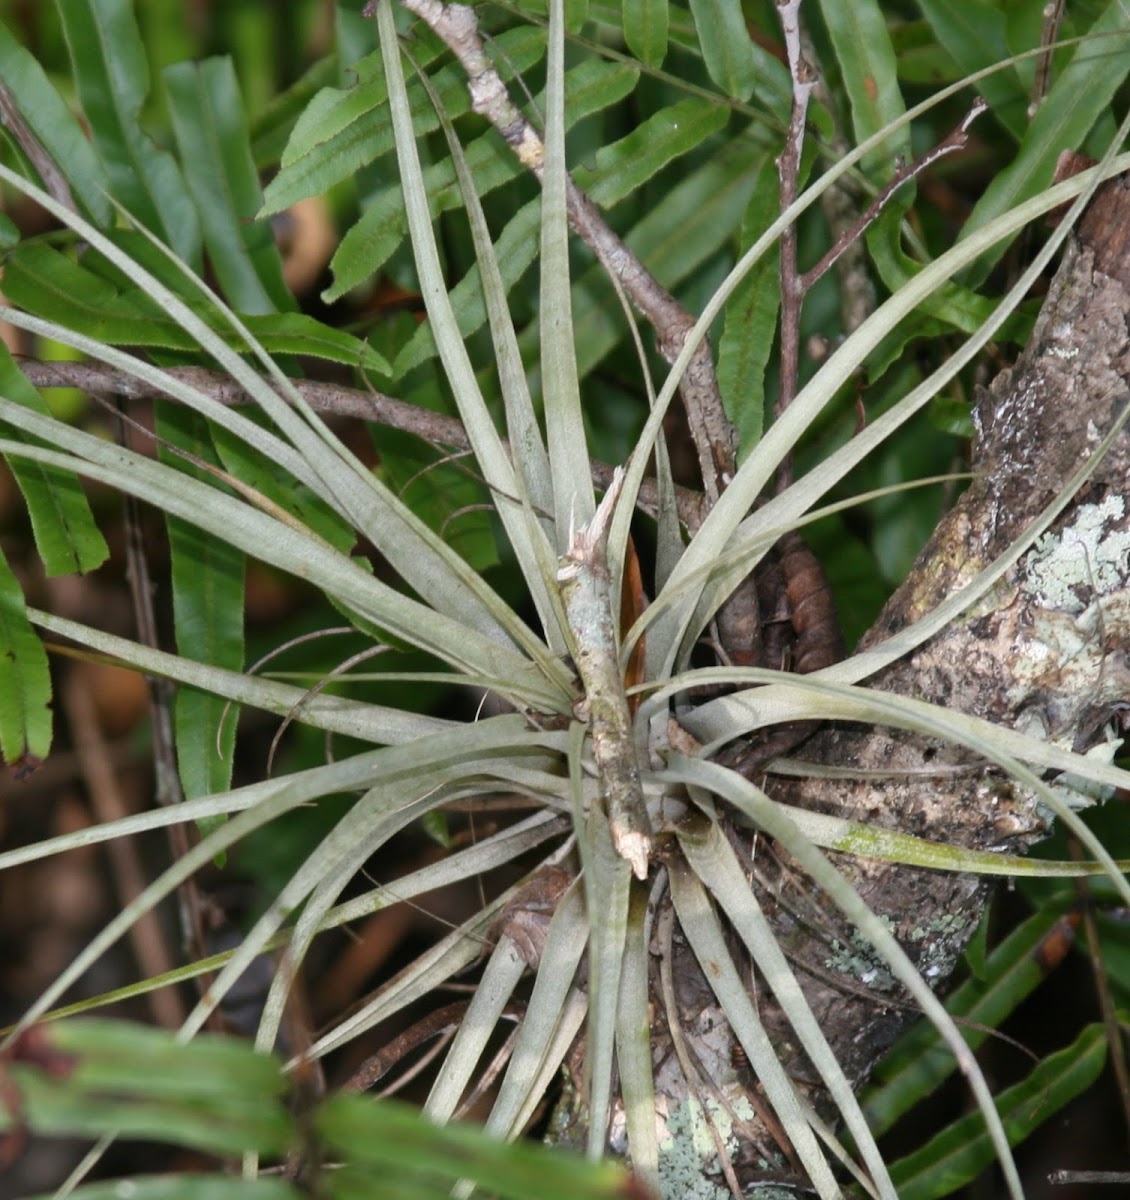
(1045, 653)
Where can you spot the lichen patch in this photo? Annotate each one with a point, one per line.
(1089, 557)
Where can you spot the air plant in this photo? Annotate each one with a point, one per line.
(646, 769)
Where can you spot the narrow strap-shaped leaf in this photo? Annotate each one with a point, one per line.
(704, 932)
(318, 881)
(354, 718)
(492, 853)
(576, 14)
(272, 125)
(527, 446)
(975, 34)
(866, 61)
(112, 77)
(211, 1124)
(295, 550)
(1079, 96)
(958, 1154)
(607, 885)
(25, 680)
(627, 164)
(211, 132)
(399, 1155)
(515, 248)
(751, 318)
(645, 29)
(573, 500)
(55, 127)
(207, 577)
(449, 957)
(278, 797)
(706, 207)
(414, 550)
(496, 465)
(66, 536)
(381, 228)
(726, 46)
(564, 946)
(754, 803)
(43, 281)
(727, 515)
(256, 469)
(499, 979)
(713, 859)
(918, 1064)
(343, 130)
(299, 333)
(633, 1042)
(139, 1061)
(869, 68)
(521, 479)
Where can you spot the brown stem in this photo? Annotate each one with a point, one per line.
(324, 398)
(1049, 32)
(13, 120)
(108, 803)
(788, 168)
(714, 436)
(956, 140)
(166, 780)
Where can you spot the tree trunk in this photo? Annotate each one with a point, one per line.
(1045, 653)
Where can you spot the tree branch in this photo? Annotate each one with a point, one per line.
(1046, 653)
(714, 436)
(329, 398)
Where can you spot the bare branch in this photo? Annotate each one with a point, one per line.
(714, 436)
(788, 168)
(326, 398)
(13, 120)
(956, 140)
(1049, 32)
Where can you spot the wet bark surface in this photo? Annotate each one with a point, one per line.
(1045, 652)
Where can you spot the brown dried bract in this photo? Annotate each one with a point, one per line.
(525, 920)
(812, 611)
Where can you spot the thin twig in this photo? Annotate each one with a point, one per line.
(715, 440)
(13, 120)
(108, 804)
(442, 1022)
(788, 169)
(840, 205)
(957, 139)
(1049, 32)
(325, 398)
